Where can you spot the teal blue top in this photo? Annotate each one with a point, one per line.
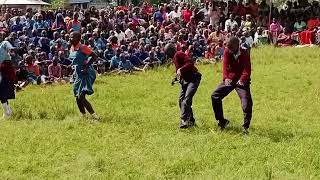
(83, 82)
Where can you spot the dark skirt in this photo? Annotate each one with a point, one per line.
(7, 81)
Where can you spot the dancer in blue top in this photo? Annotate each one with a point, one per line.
(82, 58)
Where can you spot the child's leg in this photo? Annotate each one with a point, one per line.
(86, 103)
(80, 106)
(7, 112)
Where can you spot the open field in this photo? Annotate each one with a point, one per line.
(139, 137)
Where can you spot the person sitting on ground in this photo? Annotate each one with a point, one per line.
(33, 70)
(22, 76)
(65, 64)
(54, 70)
(248, 39)
(260, 37)
(114, 62)
(109, 52)
(98, 43)
(284, 39)
(160, 55)
(299, 25)
(152, 60)
(125, 65)
(218, 50)
(74, 24)
(308, 36)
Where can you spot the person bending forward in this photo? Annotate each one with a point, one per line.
(189, 79)
(236, 75)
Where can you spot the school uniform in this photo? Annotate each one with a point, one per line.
(7, 73)
(235, 67)
(190, 80)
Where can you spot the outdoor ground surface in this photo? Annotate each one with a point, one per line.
(139, 136)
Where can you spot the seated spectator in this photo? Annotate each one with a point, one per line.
(230, 23)
(260, 37)
(65, 64)
(308, 36)
(22, 76)
(55, 71)
(160, 55)
(284, 39)
(125, 65)
(59, 23)
(109, 52)
(74, 24)
(248, 39)
(152, 60)
(99, 45)
(15, 58)
(17, 26)
(299, 25)
(218, 50)
(40, 24)
(114, 62)
(33, 71)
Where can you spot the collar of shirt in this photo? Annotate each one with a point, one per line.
(76, 47)
(236, 56)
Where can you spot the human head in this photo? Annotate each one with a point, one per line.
(233, 44)
(170, 50)
(75, 38)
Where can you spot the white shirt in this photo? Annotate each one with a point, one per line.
(249, 41)
(120, 36)
(129, 33)
(231, 24)
(214, 16)
(206, 14)
(173, 15)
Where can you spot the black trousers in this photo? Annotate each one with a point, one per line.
(188, 90)
(245, 97)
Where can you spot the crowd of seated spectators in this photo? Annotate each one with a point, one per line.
(132, 38)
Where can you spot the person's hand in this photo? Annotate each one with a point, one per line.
(227, 82)
(179, 72)
(240, 83)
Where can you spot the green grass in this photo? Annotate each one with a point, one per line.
(139, 137)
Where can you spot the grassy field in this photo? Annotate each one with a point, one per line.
(139, 137)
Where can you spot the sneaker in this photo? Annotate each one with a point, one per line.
(95, 117)
(223, 124)
(183, 124)
(192, 122)
(83, 116)
(245, 131)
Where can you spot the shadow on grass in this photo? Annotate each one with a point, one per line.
(275, 135)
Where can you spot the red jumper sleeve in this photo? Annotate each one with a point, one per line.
(246, 73)
(227, 74)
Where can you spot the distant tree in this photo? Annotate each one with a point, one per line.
(59, 3)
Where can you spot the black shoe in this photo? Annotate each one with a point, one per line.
(183, 124)
(223, 124)
(192, 122)
(245, 131)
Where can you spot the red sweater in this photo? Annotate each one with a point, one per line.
(186, 66)
(236, 69)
